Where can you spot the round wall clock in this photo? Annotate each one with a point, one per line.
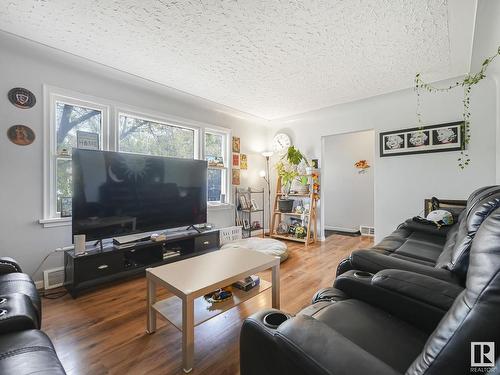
(281, 141)
(21, 98)
(21, 135)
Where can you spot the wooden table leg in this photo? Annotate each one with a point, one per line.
(276, 285)
(150, 301)
(187, 334)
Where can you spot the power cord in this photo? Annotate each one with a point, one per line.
(42, 262)
(54, 295)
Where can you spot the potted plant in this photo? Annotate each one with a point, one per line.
(288, 169)
(288, 173)
(295, 157)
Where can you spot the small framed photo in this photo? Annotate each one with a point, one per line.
(255, 206)
(236, 160)
(246, 224)
(87, 140)
(236, 144)
(243, 161)
(66, 206)
(235, 177)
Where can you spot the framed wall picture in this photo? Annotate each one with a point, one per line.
(87, 140)
(246, 224)
(236, 176)
(236, 160)
(21, 135)
(236, 144)
(434, 138)
(243, 161)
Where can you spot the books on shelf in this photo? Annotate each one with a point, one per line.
(245, 203)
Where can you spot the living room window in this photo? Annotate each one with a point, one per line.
(216, 154)
(70, 116)
(70, 119)
(154, 137)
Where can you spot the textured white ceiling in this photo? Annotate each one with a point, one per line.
(266, 57)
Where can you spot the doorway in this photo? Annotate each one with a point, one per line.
(347, 189)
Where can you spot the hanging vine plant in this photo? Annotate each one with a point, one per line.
(467, 83)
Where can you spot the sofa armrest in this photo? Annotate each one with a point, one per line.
(17, 313)
(302, 345)
(372, 261)
(9, 265)
(434, 292)
(397, 299)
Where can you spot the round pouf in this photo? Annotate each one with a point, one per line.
(267, 246)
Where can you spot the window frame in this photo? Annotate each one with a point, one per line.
(109, 141)
(50, 142)
(226, 154)
(158, 119)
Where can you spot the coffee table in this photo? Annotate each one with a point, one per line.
(190, 279)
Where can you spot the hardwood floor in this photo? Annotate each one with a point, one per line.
(103, 332)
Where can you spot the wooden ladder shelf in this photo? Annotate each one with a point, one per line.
(310, 218)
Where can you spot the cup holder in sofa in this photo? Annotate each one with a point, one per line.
(363, 274)
(274, 319)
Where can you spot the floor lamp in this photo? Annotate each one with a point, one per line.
(267, 155)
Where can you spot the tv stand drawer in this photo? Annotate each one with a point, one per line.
(206, 241)
(99, 266)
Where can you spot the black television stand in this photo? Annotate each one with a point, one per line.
(111, 262)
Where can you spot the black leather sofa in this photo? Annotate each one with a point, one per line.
(393, 322)
(24, 349)
(440, 253)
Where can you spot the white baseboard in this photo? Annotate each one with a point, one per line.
(348, 230)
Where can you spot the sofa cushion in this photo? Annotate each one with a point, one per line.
(375, 331)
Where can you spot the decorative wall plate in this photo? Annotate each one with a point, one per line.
(21, 97)
(21, 135)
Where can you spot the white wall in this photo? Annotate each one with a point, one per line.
(486, 43)
(348, 194)
(402, 182)
(30, 65)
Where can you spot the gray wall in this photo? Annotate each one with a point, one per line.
(30, 65)
(348, 194)
(403, 182)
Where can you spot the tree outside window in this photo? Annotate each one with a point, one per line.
(70, 119)
(148, 137)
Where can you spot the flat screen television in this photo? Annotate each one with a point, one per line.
(117, 194)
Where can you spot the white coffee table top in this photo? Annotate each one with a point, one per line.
(204, 273)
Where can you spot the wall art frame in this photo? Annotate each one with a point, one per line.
(423, 140)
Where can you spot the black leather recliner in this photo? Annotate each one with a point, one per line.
(350, 334)
(24, 349)
(420, 248)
